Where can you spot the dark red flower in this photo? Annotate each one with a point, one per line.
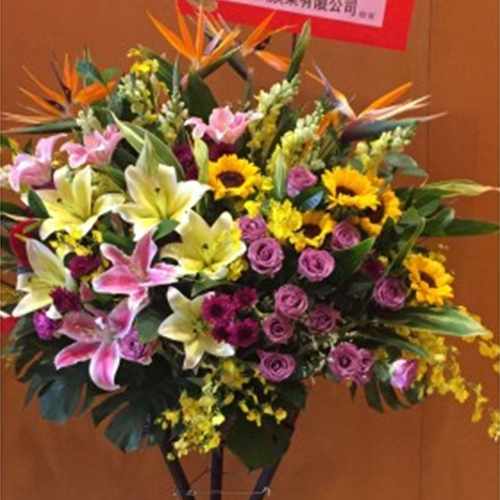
(17, 243)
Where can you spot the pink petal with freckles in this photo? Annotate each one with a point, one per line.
(45, 147)
(77, 154)
(162, 274)
(81, 327)
(75, 353)
(118, 280)
(122, 317)
(139, 299)
(144, 253)
(114, 255)
(104, 365)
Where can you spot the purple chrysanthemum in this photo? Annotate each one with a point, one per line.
(45, 327)
(65, 300)
(218, 308)
(244, 333)
(82, 265)
(245, 297)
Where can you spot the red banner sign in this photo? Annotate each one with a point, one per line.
(382, 23)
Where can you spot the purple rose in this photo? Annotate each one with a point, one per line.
(277, 328)
(344, 361)
(45, 327)
(322, 319)
(316, 265)
(276, 367)
(266, 256)
(132, 349)
(291, 301)
(373, 268)
(299, 178)
(65, 300)
(345, 236)
(244, 333)
(403, 373)
(366, 362)
(390, 293)
(83, 265)
(252, 228)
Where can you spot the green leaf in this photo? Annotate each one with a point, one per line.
(461, 187)
(405, 164)
(409, 239)
(11, 208)
(36, 205)
(136, 136)
(126, 429)
(6, 143)
(299, 51)
(436, 226)
(118, 240)
(199, 98)
(445, 321)
(107, 407)
(279, 178)
(148, 324)
(115, 174)
(347, 262)
(165, 228)
(293, 393)
(109, 73)
(372, 395)
(89, 72)
(258, 447)
(468, 227)
(166, 70)
(390, 397)
(205, 285)
(46, 128)
(367, 130)
(310, 198)
(396, 341)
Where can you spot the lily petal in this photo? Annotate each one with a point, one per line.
(75, 353)
(104, 366)
(122, 317)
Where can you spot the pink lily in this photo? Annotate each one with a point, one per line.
(134, 275)
(223, 125)
(34, 170)
(104, 339)
(97, 148)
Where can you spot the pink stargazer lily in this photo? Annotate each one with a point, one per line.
(34, 170)
(97, 148)
(223, 125)
(134, 275)
(101, 338)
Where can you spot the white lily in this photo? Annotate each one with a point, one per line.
(157, 198)
(71, 206)
(48, 274)
(206, 249)
(186, 325)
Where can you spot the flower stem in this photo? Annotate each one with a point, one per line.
(183, 489)
(261, 487)
(216, 474)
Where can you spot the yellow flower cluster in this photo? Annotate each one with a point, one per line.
(65, 243)
(201, 418)
(283, 219)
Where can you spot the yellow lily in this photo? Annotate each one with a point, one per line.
(186, 325)
(48, 274)
(71, 206)
(157, 198)
(207, 250)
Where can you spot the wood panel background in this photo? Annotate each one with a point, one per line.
(341, 450)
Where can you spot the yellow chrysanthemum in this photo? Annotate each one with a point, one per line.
(429, 280)
(349, 188)
(233, 176)
(283, 219)
(316, 226)
(374, 220)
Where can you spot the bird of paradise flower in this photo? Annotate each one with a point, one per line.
(62, 104)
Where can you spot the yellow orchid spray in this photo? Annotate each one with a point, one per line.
(71, 205)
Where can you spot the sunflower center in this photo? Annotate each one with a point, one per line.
(345, 190)
(427, 278)
(231, 179)
(311, 230)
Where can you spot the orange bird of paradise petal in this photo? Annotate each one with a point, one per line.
(54, 105)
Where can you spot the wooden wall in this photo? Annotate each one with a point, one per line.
(341, 450)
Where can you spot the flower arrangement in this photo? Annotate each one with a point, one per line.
(185, 268)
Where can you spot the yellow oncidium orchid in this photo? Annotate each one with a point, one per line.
(71, 206)
(207, 250)
(48, 274)
(185, 325)
(158, 198)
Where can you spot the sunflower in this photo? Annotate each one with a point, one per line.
(233, 176)
(373, 221)
(316, 226)
(349, 188)
(429, 280)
